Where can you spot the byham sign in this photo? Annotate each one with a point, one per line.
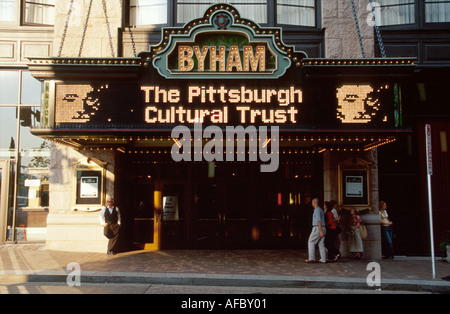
(222, 45)
(220, 69)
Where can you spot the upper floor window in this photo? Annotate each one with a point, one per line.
(397, 12)
(7, 10)
(147, 12)
(255, 10)
(413, 12)
(296, 12)
(437, 11)
(40, 12)
(168, 12)
(33, 12)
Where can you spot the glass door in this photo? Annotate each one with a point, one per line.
(237, 213)
(209, 226)
(271, 216)
(222, 210)
(159, 215)
(146, 218)
(173, 215)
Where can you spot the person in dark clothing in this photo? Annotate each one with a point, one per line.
(110, 220)
(386, 232)
(332, 233)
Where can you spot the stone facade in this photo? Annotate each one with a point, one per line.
(69, 229)
(341, 36)
(18, 43)
(96, 42)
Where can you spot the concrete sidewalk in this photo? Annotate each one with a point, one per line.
(253, 268)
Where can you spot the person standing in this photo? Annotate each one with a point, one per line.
(110, 220)
(317, 235)
(337, 217)
(332, 233)
(355, 243)
(386, 232)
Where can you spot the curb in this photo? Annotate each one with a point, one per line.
(434, 286)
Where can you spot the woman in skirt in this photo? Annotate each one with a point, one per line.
(355, 243)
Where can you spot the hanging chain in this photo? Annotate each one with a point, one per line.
(65, 29)
(355, 16)
(86, 25)
(377, 31)
(84, 28)
(107, 26)
(132, 41)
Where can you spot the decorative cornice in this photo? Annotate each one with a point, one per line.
(358, 62)
(91, 68)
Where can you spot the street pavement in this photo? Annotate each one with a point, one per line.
(30, 268)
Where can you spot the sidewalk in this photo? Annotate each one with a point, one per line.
(261, 268)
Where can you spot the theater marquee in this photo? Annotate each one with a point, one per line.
(287, 106)
(224, 70)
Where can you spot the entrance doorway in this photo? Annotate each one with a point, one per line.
(233, 206)
(153, 204)
(222, 216)
(145, 226)
(244, 208)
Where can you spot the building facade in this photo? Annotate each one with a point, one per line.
(68, 160)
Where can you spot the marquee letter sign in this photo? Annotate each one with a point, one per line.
(225, 70)
(222, 45)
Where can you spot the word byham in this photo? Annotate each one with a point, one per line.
(255, 62)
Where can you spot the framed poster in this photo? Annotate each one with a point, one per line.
(170, 208)
(354, 187)
(89, 187)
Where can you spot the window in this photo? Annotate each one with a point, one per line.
(8, 130)
(413, 12)
(20, 97)
(148, 12)
(283, 12)
(255, 10)
(437, 11)
(7, 10)
(397, 12)
(9, 88)
(294, 12)
(41, 12)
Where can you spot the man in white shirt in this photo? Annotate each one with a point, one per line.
(317, 235)
(110, 220)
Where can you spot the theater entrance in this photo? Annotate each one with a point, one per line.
(223, 205)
